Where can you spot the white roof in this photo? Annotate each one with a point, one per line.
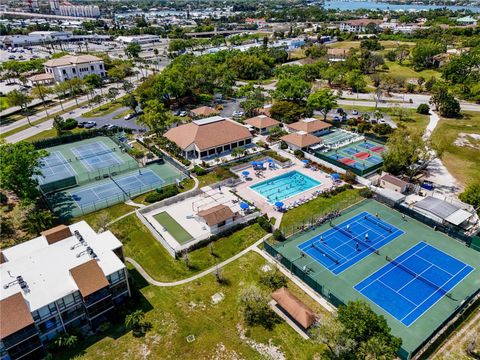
(208, 120)
(458, 217)
(45, 268)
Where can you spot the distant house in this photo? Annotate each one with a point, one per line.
(209, 137)
(393, 183)
(359, 25)
(311, 126)
(203, 112)
(262, 123)
(69, 67)
(300, 140)
(217, 217)
(334, 54)
(467, 21)
(300, 313)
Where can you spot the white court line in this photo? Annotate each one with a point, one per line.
(396, 292)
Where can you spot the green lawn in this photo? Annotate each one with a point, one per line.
(319, 206)
(187, 184)
(176, 312)
(111, 213)
(3, 103)
(216, 175)
(104, 109)
(462, 160)
(173, 227)
(50, 133)
(407, 72)
(140, 245)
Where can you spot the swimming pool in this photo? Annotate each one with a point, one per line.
(284, 186)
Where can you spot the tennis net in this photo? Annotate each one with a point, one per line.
(355, 238)
(416, 275)
(325, 253)
(378, 223)
(96, 154)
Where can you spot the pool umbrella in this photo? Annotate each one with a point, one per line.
(279, 204)
(336, 176)
(245, 173)
(244, 206)
(305, 161)
(270, 160)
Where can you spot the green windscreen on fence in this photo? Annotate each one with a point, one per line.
(58, 184)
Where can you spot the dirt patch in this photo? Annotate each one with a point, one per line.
(269, 350)
(468, 140)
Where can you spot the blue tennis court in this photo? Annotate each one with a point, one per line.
(413, 282)
(88, 195)
(96, 155)
(55, 167)
(137, 181)
(347, 243)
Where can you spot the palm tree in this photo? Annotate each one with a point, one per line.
(41, 92)
(61, 90)
(133, 320)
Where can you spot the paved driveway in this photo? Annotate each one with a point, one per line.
(109, 119)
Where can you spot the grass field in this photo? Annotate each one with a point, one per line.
(104, 109)
(174, 228)
(3, 103)
(216, 175)
(407, 72)
(318, 206)
(461, 159)
(140, 245)
(219, 330)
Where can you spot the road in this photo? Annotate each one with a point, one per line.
(46, 125)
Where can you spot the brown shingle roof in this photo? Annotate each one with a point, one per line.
(209, 135)
(71, 60)
(394, 180)
(309, 126)
(57, 233)
(300, 312)
(14, 315)
(301, 139)
(204, 111)
(216, 214)
(364, 22)
(262, 121)
(41, 77)
(89, 277)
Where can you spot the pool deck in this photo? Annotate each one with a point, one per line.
(260, 202)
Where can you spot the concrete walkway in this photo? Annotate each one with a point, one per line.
(154, 282)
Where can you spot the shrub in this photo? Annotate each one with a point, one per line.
(262, 144)
(136, 153)
(298, 154)
(199, 170)
(283, 145)
(273, 279)
(349, 176)
(162, 193)
(3, 198)
(264, 224)
(366, 193)
(255, 307)
(278, 235)
(423, 109)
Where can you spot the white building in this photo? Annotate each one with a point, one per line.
(139, 39)
(69, 66)
(69, 277)
(359, 25)
(91, 11)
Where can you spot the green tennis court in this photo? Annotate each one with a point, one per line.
(174, 228)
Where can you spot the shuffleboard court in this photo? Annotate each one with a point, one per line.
(173, 227)
(414, 281)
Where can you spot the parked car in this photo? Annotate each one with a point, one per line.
(89, 124)
(354, 112)
(238, 113)
(336, 118)
(176, 112)
(183, 113)
(129, 116)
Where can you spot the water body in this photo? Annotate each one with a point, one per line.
(373, 5)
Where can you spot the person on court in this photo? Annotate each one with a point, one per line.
(348, 227)
(366, 236)
(357, 247)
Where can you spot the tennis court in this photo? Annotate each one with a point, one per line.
(102, 191)
(96, 155)
(349, 242)
(181, 235)
(55, 167)
(133, 182)
(415, 309)
(361, 157)
(413, 282)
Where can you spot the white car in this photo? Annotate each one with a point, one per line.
(238, 113)
(354, 112)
